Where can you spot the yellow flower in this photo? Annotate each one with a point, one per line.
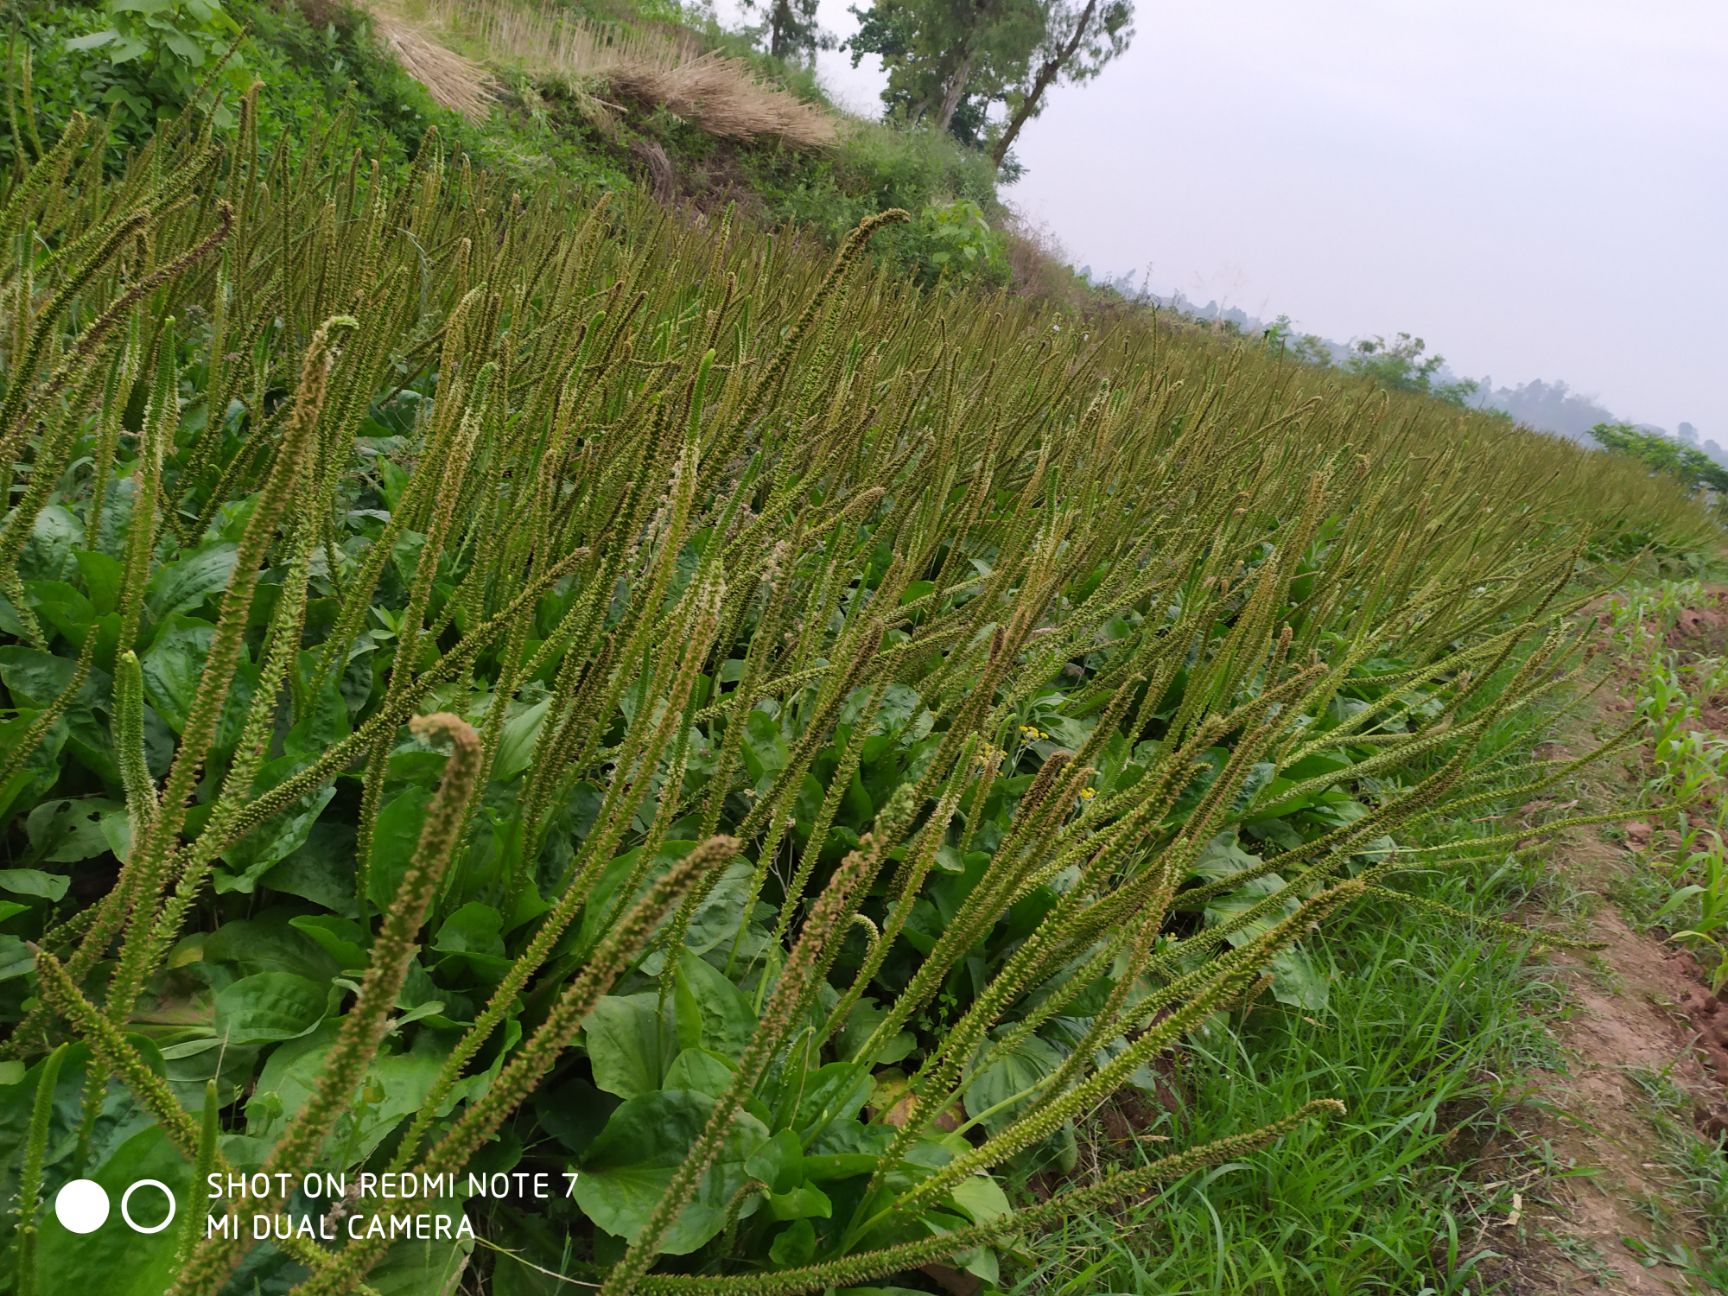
(1086, 794)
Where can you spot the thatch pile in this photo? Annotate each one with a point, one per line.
(720, 95)
(454, 81)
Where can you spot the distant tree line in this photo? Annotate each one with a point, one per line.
(1404, 364)
(1690, 465)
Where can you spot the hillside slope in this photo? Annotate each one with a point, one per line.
(818, 778)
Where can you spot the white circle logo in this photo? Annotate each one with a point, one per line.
(126, 1202)
(82, 1206)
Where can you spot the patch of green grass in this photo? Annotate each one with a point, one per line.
(1428, 1027)
(1700, 1167)
(1639, 893)
(1432, 1025)
(1586, 1256)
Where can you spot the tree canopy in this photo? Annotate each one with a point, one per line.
(1692, 466)
(955, 63)
(1404, 365)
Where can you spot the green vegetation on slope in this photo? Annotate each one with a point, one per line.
(885, 724)
(1688, 465)
(1679, 682)
(544, 122)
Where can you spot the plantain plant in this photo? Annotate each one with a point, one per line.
(881, 725)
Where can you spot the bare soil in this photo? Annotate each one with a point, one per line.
(1640, 1005)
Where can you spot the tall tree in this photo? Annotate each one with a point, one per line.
(949, 61)
(1077, 41)
(792, 32)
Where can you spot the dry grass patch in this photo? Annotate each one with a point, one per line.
(721, 95)
(453, 80)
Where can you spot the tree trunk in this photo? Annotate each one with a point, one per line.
(956, 88)
(1047, 72)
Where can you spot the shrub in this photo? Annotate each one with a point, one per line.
(139, 60)
(957, 245)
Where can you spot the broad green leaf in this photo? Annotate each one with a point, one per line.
(393, 841)
(277, 838)
(412, 1267)
(471, 936)
(173, 668)
(698, 1069)
(630, 1043)
(72, 829)
(36, 678)
(628, 1168)
(394, 1089)
(1007, 1078)
(713, 1013)
(184, 584)
(980, 1199)
(343, 940)
(806, 1201)
(34, 882)
(830, 1096)
(1296, 980)
(321, 871)
(92, 40)
(269, 1006)
(41, 768)
(716, 922)
(54, 536)
(516, 743)
(114, 1260)
(779, 1162)
(101, 574)
(63, 607)
(173, 665)
(16, 960)
(268, 943)
(794, 1245)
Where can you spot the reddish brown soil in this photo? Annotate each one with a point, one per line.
(1640, 1005)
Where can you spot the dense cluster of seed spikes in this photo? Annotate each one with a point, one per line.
(663, 474)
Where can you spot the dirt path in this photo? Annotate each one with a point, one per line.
(1646, 1054)
(1625, 1207)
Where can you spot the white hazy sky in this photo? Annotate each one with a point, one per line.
(1537, 187)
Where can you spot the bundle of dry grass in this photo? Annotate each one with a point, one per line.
(720, 95)
(547, 40)
(454, 81)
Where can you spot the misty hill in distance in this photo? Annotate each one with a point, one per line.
(1546, 406)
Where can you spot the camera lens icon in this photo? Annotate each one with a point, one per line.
(82, 1206)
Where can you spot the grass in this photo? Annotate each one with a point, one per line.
(1432, 1026)
(1685, 891)
(1700, 1167)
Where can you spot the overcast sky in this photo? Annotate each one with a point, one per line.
(1537, 187)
